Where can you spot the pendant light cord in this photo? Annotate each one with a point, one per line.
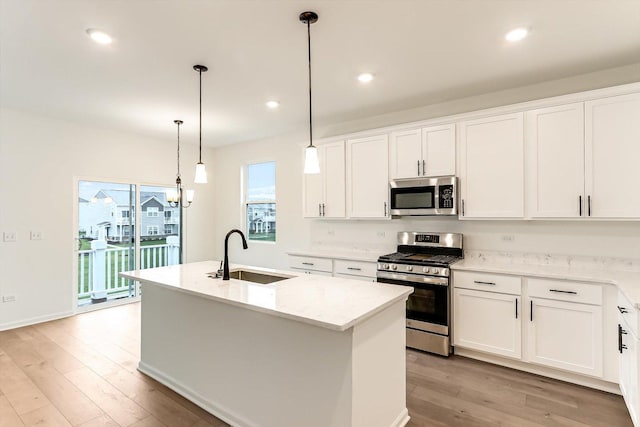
(309, 46)
(178, 151)
(200, 137)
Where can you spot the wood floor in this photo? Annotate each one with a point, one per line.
(81, 371)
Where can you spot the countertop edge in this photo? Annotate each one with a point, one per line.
(318, 254)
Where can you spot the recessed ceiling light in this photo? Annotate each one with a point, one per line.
(516, 35)
(272, 104)
(365, 77)
(99, 36)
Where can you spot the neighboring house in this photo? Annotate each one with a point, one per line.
(109, 215)
(262, 218)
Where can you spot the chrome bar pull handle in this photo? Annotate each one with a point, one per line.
(424, 170)
(462, 207)
(418, 167)
(479, 282)
(319, 209)
(560, 291)
(516, 308)
(589, 205)
(385, 208)
(323, 211)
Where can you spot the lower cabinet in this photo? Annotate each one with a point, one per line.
(628, 362)
(347, 269)
(565, 335)
(555, 323)
(488, 321)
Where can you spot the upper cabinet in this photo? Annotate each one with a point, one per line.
(368, 177)
(554, 141)
(324, 193)
(612, 157)
(422, 152)
(491, 168)
(582, 159)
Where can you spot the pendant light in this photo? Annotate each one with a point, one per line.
(177, 197)
(201, 171)
(311, 162)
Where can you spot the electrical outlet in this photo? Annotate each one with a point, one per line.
(36, 235)
(9, 236)
(380, 234)
(508, 238)
(9, 298)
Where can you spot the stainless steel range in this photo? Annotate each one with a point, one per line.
(422, 261)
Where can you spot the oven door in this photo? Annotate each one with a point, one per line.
(428, 305)
(413, 200)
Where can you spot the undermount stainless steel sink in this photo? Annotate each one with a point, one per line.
(252, 276)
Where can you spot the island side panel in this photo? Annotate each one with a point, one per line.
(249, 368)
(379, 369)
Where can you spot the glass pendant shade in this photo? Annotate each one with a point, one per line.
(190, 194)
(201, 174)
(172, 196)
(311, 162)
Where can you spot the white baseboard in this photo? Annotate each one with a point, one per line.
(402, 419)
(35, 320)
(541, 370)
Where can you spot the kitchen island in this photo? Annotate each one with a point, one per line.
(306, 351)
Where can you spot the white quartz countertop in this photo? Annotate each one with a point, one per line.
(627, 281)
(344, 255)
(329, 302)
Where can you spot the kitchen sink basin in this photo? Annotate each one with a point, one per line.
(252, 276)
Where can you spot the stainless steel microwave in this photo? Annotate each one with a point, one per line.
(424, 196)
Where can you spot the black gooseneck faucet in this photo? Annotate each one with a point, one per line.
(225, 271)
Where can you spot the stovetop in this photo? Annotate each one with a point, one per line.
(420, 258)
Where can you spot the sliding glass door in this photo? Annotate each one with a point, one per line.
(116, 233)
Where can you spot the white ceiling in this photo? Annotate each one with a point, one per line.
(421, 51)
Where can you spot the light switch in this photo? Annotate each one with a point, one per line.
(9, 236)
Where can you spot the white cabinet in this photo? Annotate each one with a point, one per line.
(554, 141)
(368, 177)
(488, 321)
(311, 265)
(565, 326)
(324, 193)
(347, 269)
(628, 356)
(612, 135)
(422, 152)
(491, 168)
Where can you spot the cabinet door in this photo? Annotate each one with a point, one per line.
(487, 321)
(555, 153)
(491, 167)
(612, 135)
(439, 150)
(368, 177)
(334, 180)
(405, 154)
(628, 358)
(565, 335)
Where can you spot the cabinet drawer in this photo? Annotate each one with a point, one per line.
(310, 263)
(357, 268)
(487, 282)
(628, 313)
(561, 290)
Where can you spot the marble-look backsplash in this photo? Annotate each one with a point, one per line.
(569, 261)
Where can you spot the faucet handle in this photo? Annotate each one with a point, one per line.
(220, 269)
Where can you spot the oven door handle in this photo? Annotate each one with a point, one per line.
(413, 278)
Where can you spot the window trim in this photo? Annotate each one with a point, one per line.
(153, 209)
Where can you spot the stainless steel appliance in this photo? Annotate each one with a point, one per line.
(423, 261)
(424, 196)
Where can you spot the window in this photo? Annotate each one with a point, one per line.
(167, 214)
(260, 201)
(152, 212)
(168, 229)
(125, 214)
(152, 230)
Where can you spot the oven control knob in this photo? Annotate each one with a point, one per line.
(409, 268)
(394, 267)
(425, 269)
(436, 271)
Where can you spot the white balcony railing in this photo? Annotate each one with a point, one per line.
(114, 261)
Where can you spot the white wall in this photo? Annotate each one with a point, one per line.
(40, 158)
(608, 238)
